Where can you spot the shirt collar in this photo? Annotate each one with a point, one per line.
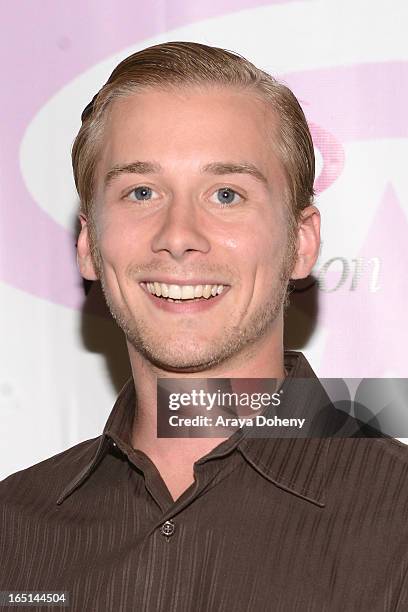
(116, 432)
(296, 465)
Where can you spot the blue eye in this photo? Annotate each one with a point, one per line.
(142, 193)
(226, 195)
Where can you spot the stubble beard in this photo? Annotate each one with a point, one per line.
(232, 340)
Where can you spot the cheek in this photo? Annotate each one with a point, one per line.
(266, 251)
(118, 242)
(111, 248)
(256, 243)
(231, 243)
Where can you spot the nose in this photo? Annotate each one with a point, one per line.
(180, 230)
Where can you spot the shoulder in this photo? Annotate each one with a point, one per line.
(48, 478)
(373, 467)
(393, 448)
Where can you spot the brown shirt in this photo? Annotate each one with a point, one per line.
(268, 524)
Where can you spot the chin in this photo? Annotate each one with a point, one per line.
(179, 359)
(181, 353)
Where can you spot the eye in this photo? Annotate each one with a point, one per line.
(227, 196)
(141, 193)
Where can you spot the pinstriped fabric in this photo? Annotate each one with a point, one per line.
(269, 524)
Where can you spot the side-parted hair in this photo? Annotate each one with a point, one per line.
(178, 64)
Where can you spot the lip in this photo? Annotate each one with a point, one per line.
(183, 282)
(197, 306)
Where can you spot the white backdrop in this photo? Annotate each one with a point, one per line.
(62, 359)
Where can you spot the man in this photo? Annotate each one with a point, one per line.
(195, 172)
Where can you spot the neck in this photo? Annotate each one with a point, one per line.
(174, 458)
(264, 359)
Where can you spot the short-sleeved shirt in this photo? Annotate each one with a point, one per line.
(274, 524)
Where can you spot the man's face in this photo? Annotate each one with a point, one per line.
(190, 193)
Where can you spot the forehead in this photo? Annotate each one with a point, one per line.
(191, 126)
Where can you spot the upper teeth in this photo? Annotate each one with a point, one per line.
(183, 292)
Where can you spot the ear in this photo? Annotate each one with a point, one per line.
(308, 242)
(84, 258)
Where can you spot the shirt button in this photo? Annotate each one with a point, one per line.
(167, 529)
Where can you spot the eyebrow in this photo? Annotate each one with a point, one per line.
(137, 167)
(218, 168)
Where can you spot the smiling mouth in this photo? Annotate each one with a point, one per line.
(183, 293)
